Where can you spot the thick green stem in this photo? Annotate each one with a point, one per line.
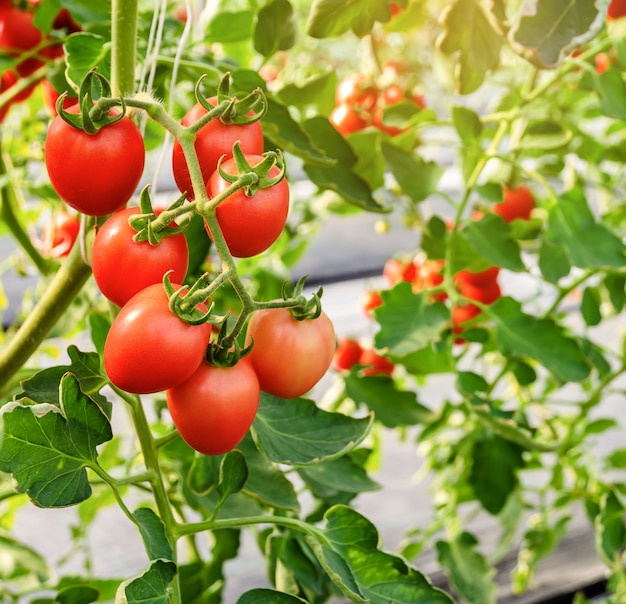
(66, 284)
(124, 46)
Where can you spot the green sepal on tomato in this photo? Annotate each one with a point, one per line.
(213, 140)
(123, 267)
(214, 409)
(148, 348)
(289, 356)
(95, 174)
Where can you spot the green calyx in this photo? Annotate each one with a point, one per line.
(182, 303)
(225, 351)
(308, 309)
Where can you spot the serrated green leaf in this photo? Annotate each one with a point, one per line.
(83, 52)
(150, 587)
(48, 448)
(416, 177)
(539, 339)
(276, 28)
(152, 532)
(330, 18)
(362, 571)
(548, 30)
(476, 48)
(343, 474)
(408, 321)
(297, 432)
(470, 573)
(588, 244)
(267, 596)
(391, 407)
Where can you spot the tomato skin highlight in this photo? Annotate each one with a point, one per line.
(249, 224)
(214, 409)
(213, 140)
(346, 120)
(95, 174)
(148, 348)
(123, 267)
(289, 356)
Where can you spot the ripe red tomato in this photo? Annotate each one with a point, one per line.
(60, 234)
(480, 278)
(214, 409)
(148, 348)
(346, 355)
(213, 140)
(369, 300)
(346, 120)
(429, 276)
(396, 270)
(355, 89)
(518, 203)
(617, 9)
(50, 97)
(123, 267)
(602, 62)
(461, 313)
(394, 93)
(487, 293)
(376, 364)
(95, 174)
(289, 356)
(249, 224)
(17, 35)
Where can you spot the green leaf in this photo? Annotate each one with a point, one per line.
(540, 339)
(470, 573)
(553, 261)
(362, 571)
(416, 177)
(267, 596)
(467, 124)
(590, 306)
(371, 165)
(491, 237)
(470, 34)
(617, 458)
(150, 587)
(330, 18)
(610, 531)
(79, 594)
(99, 326)
(588, 244)
(495, 462)
(276, 28)
(318, 90)
(436, 239)
(233, 474)
(48, 448)
(548, 30)
(427, 360)
(83, 52)
(616, 287)
(408, 321)
(198, 244)
(392, 407)
(341, 475)
(545, 135)
(230, 26)
(153, 534)
(297, 432)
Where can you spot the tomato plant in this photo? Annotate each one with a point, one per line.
(308, 343)
(347, 354)
(59, 234)
(214, 408)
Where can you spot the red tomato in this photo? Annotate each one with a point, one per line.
(396, 270)
(355, 89)
(461, 313)
(518, 203)
(122, 267)
(369, 300)
(50, 97)
(375, 363)
(60, 234)
(487, 293)
(346, 120)
(17, 35)
(480, 278)
(346, 355)
(148, 348)
(617, 9)
(95, 174)
(289, 356)
(602, 62)
(214, 409)
(394, 93)
(213, 140)
(429, 276)
(250, 224)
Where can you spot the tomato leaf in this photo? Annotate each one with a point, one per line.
(150, 586)
(417, 177)
(48, 448)
(392, 407)
(548, 30)
(616, 287)
(477, 48)
(230, 26)
(408, 321)
(83, 52)
(297, 432)
(493, 476)
(329, 18)
(363, 572)
(590, 306)
(588, 244)
(553, 261)
(470, 573)
(318, 90)
(233, 474)
(467, 124)
(77, 594)
(609, 525)
(276, 28)
(540, 339)
(153, 534)
(267, 596)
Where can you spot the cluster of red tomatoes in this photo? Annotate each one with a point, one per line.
(151, 349)
(360, 103)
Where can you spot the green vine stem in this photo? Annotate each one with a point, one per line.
(123, 45)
